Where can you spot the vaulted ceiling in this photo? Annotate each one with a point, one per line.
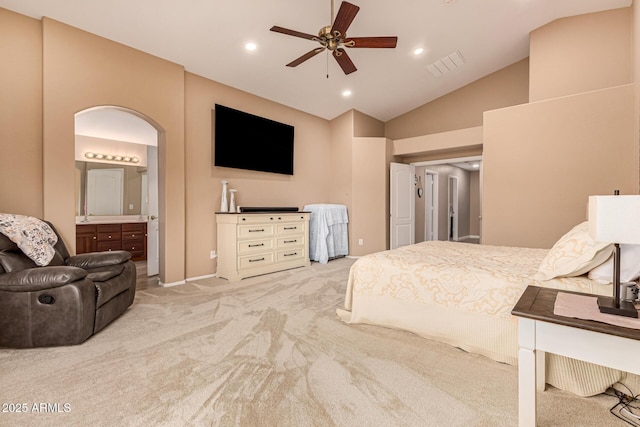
(208, 38)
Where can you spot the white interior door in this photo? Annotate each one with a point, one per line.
(402, 205)
(106, 191)
(153, 237)
(431, 205)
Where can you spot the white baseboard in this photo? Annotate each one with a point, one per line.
(471, 236)
(168, 285)
(206, 276)
(189, 279)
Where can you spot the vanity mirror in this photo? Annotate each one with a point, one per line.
(110, 189)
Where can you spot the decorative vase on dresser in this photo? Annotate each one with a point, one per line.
(250, 244)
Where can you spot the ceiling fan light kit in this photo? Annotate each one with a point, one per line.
(334, 39)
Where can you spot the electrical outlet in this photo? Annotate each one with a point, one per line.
(361, 242)
(213, 255)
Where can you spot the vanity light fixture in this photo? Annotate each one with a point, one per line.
(111, 157)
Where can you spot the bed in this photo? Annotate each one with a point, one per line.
(462, 294)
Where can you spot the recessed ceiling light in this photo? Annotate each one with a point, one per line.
(418, 51)
(250, 46)
(346, 93)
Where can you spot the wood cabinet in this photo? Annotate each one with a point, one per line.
(251, 244)
(128, 236)
(134, 239)
(86, 238)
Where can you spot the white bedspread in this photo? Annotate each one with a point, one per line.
(462, 294)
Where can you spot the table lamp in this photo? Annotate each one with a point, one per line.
(615, 219)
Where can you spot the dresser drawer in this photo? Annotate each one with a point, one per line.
(133, 245)
(248, 246)
(252, 261)
(255, 231)
(133, 231)
(291, 228)
(109, 228)
(290, 241)
(108, 237)
(134, 226)
(289, 255)
(109, 246)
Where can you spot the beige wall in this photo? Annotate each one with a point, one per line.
(359, 179)
(542, 160)
(463, 108)
(581, 53)
(366, 126)
(339, 175)
(451, 144)
(370, 205)
(20, 114)
(309, 184)
(82, 70)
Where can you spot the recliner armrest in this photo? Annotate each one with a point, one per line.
(98, 259)
(35, 279)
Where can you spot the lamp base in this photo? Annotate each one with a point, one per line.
(627, 309)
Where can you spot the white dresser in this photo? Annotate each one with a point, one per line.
(250, 244)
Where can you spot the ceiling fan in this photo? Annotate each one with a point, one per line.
(334, 38)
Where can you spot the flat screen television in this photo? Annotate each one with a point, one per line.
(246, 141)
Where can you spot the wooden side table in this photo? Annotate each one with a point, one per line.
(540, 331)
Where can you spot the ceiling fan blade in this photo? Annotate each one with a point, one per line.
(344, 61)
(294, 33)
(304, 57)
(375, 42)
(345, 16)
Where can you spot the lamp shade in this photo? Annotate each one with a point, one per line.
(615, 219)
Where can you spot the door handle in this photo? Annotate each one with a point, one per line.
(152, 217)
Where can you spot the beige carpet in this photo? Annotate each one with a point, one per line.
(267, 351)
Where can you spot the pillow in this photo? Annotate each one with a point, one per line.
(574, 254)
(629, 266)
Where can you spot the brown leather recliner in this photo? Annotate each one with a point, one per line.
(65, 302)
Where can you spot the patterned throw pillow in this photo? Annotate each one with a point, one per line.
(33, 236)
(574, 254)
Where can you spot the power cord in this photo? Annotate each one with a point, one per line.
(628, 407)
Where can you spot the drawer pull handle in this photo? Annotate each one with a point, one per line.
(295, 253)
(256, 260)
(133, 247)
(291, 228)
(109, 235)
(256, 231)
(94, 237)
(133, 235)
(291, 241)
(253, 246)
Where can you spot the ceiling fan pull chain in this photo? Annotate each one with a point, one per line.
(327, 64)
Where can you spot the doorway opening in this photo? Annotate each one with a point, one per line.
(108, 138)
(430, 204)
(450, 204)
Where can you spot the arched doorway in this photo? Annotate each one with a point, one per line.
(115, 139)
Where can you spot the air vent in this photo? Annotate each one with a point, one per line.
(446, 64)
